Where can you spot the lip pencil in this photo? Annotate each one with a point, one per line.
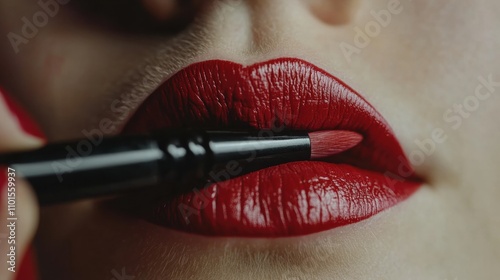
(170, 161)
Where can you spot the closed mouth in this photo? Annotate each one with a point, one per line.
(290, 199)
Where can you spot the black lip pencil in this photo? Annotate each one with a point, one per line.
(176, 159)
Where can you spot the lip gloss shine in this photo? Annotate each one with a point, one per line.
(290, 199)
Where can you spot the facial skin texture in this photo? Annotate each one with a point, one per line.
(421, 72)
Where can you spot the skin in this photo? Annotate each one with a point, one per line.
(426, 61)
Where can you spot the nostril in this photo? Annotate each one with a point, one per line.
(168, 10)
(161, 9)
(137, 16)
(333, 12)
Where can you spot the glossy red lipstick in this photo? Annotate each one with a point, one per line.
(290, 199)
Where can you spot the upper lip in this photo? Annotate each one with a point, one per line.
(290, 91)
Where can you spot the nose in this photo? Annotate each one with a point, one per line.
(266, 28)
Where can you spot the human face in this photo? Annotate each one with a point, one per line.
(429, 67)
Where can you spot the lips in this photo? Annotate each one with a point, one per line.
(291, 199)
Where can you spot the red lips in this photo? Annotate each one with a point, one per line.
(291, 199)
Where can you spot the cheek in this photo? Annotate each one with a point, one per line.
(32, 63)
(52, 65)
(48, 66)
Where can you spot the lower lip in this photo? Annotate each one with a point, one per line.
(294, 199)
(287, 200)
